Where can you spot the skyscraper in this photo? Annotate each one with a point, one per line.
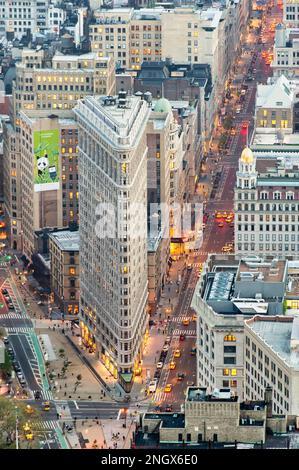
(113, 238)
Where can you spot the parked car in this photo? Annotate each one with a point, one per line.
(159, 365)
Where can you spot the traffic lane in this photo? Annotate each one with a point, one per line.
(24, 354)
(186, 364)
(16, 323)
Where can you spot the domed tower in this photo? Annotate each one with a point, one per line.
(246, 175)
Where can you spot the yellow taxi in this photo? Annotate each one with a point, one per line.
(29, 409)
(172, 365)
(200, 267)
(186, 322)
(168, 388)
(46, 406)
(177, 353)
(218, 215)
(27, 432)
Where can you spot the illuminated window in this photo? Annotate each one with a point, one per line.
(157, 154)
(273, 122)
(13, 173)
(284, 123)
(124, 168)
(70, 149)
(63, 177)
(229, 338)
(196, 34)
(72, 271)
(38, 78)
(77, 195)
(225, 371)
(71, 213)
(63, 150)
(265, 112)
(234, 372)
(71, 195)
(14, 222)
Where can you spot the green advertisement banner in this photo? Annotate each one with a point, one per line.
(46, 160)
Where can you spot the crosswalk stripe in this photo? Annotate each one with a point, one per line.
(184, 332)
(46, 425)
(18, 330)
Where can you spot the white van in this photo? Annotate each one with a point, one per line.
(152, 386)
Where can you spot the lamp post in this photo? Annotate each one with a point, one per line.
(17, 431)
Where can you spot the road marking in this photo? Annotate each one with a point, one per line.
(76, 404)
(118, 416)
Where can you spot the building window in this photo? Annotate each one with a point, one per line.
(230, 338)
(72, 271)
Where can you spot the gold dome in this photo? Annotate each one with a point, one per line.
(247, 156)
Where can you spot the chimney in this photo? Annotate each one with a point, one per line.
(268, 400)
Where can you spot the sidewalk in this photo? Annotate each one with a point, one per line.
(106, 434)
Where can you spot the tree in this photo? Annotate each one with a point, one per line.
(78, 382)
(61, 352)
(12, 412)
(2, 333)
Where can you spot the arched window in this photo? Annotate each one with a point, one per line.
(230, 338)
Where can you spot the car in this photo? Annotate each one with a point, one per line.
(168, 340)
(37, 395)
(186, 322)
(23, 382)
(189, 267)
(163, 355)
(4, 291)
(20, 376)
(7, 298)
(168, 408)
(182, 337)
(177, 353)
(172, 365)
(233, 132)
(5, 340)
(10, 351)
(17, 368)
(46, 406)
(10, 306)
(159, 365)
(168, 388)
(181, 377)
(194, 317)
(152, 386)
(151, 322)
(165, 347)
(190, 384)
(221, 225)
(238, 110)
(69, 428)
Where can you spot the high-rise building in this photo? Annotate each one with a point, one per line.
(113, 221)
(272, 359)
(49, 86)
(291, 13)
(49, 174)
(229, 292)
(266, 201)
(20, 16)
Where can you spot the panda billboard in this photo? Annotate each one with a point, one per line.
(46, 160)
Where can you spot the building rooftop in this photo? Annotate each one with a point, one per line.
(267, 270)
(66, 240)
(168, 420)
(280, 94)
(200, 394)
(281, 334)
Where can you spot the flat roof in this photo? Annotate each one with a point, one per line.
(66, 240)
(279, 333)
(270, 271)
(200, 394)
(168, 420)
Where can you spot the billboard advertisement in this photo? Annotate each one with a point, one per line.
(46, 160)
